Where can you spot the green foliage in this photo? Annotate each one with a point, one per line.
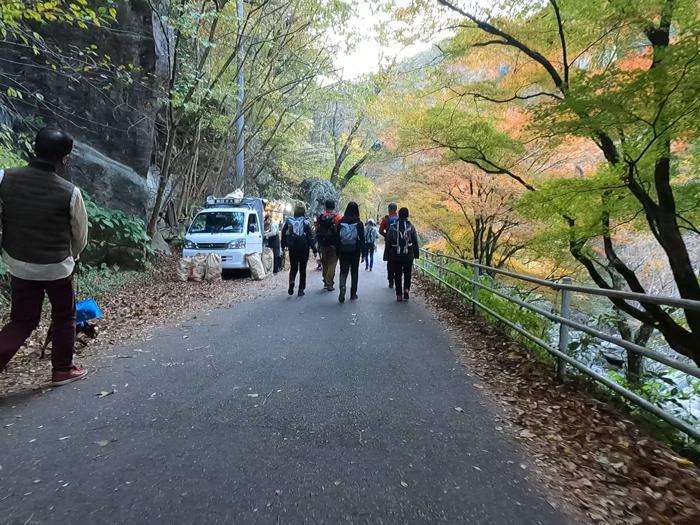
(8, 158)
(16, 15)
(97, 281)
(115, 238)
(13, 148)
(468, 136)
(526, 319)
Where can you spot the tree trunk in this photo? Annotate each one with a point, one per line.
(163, 182)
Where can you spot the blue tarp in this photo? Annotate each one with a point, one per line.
(87, 310)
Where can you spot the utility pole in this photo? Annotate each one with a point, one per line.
(240, 118)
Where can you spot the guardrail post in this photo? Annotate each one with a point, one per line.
(565, 312)
(475, 288)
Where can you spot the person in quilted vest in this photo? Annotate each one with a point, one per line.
(44, 230)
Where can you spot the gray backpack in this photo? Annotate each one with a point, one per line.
(348, 237)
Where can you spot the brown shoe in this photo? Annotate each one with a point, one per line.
(63, 377)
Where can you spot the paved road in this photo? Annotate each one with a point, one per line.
(284, 410)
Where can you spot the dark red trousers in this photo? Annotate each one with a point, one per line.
(27, 300)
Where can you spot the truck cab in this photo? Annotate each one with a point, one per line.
(229, 227)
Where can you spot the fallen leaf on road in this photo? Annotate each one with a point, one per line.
(63, 438)
(105, 393)
(103, 442)
(459, 409)
(404, 484)
(683, 461)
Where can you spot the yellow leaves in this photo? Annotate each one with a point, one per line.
(684, 462)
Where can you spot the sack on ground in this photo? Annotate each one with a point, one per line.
(268, 260)
(184, 269)
(257, 270)
(199, 267)
(213, 268)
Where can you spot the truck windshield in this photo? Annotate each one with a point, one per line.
(218, 222)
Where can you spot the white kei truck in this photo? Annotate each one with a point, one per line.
(230, 227)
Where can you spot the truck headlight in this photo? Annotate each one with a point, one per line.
(237, 244)
(189, 245)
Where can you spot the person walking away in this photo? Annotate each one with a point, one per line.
(350, 241)
(272, 234)
(387, 221)
(44, 230)
(371, 234)
(363, 258)
(402, 248)
(298, 239)
(326, 235)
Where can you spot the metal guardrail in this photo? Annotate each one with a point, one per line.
(565, 323)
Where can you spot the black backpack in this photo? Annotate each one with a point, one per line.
(327, 229)
(400, 238)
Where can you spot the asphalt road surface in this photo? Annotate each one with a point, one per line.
(283, 410)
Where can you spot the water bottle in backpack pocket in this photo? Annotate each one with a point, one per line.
(348, 237)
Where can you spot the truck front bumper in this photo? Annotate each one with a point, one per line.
(230, 259)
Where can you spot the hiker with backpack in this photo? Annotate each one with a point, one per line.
(371, 234)
(350, 242)
(387, 221)
(326, 235)
(298, 239)
(401, 249)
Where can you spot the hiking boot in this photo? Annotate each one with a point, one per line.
(405, 295)
(301, 293)
(341, 297)
(331, 289)
(63, 377)
(399, 297)
(291, 290)
(354, 297)
(391, 284)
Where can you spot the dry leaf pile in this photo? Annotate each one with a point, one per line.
(131, 311)
(591, 456)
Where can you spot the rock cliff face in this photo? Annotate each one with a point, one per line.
(112, 114)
